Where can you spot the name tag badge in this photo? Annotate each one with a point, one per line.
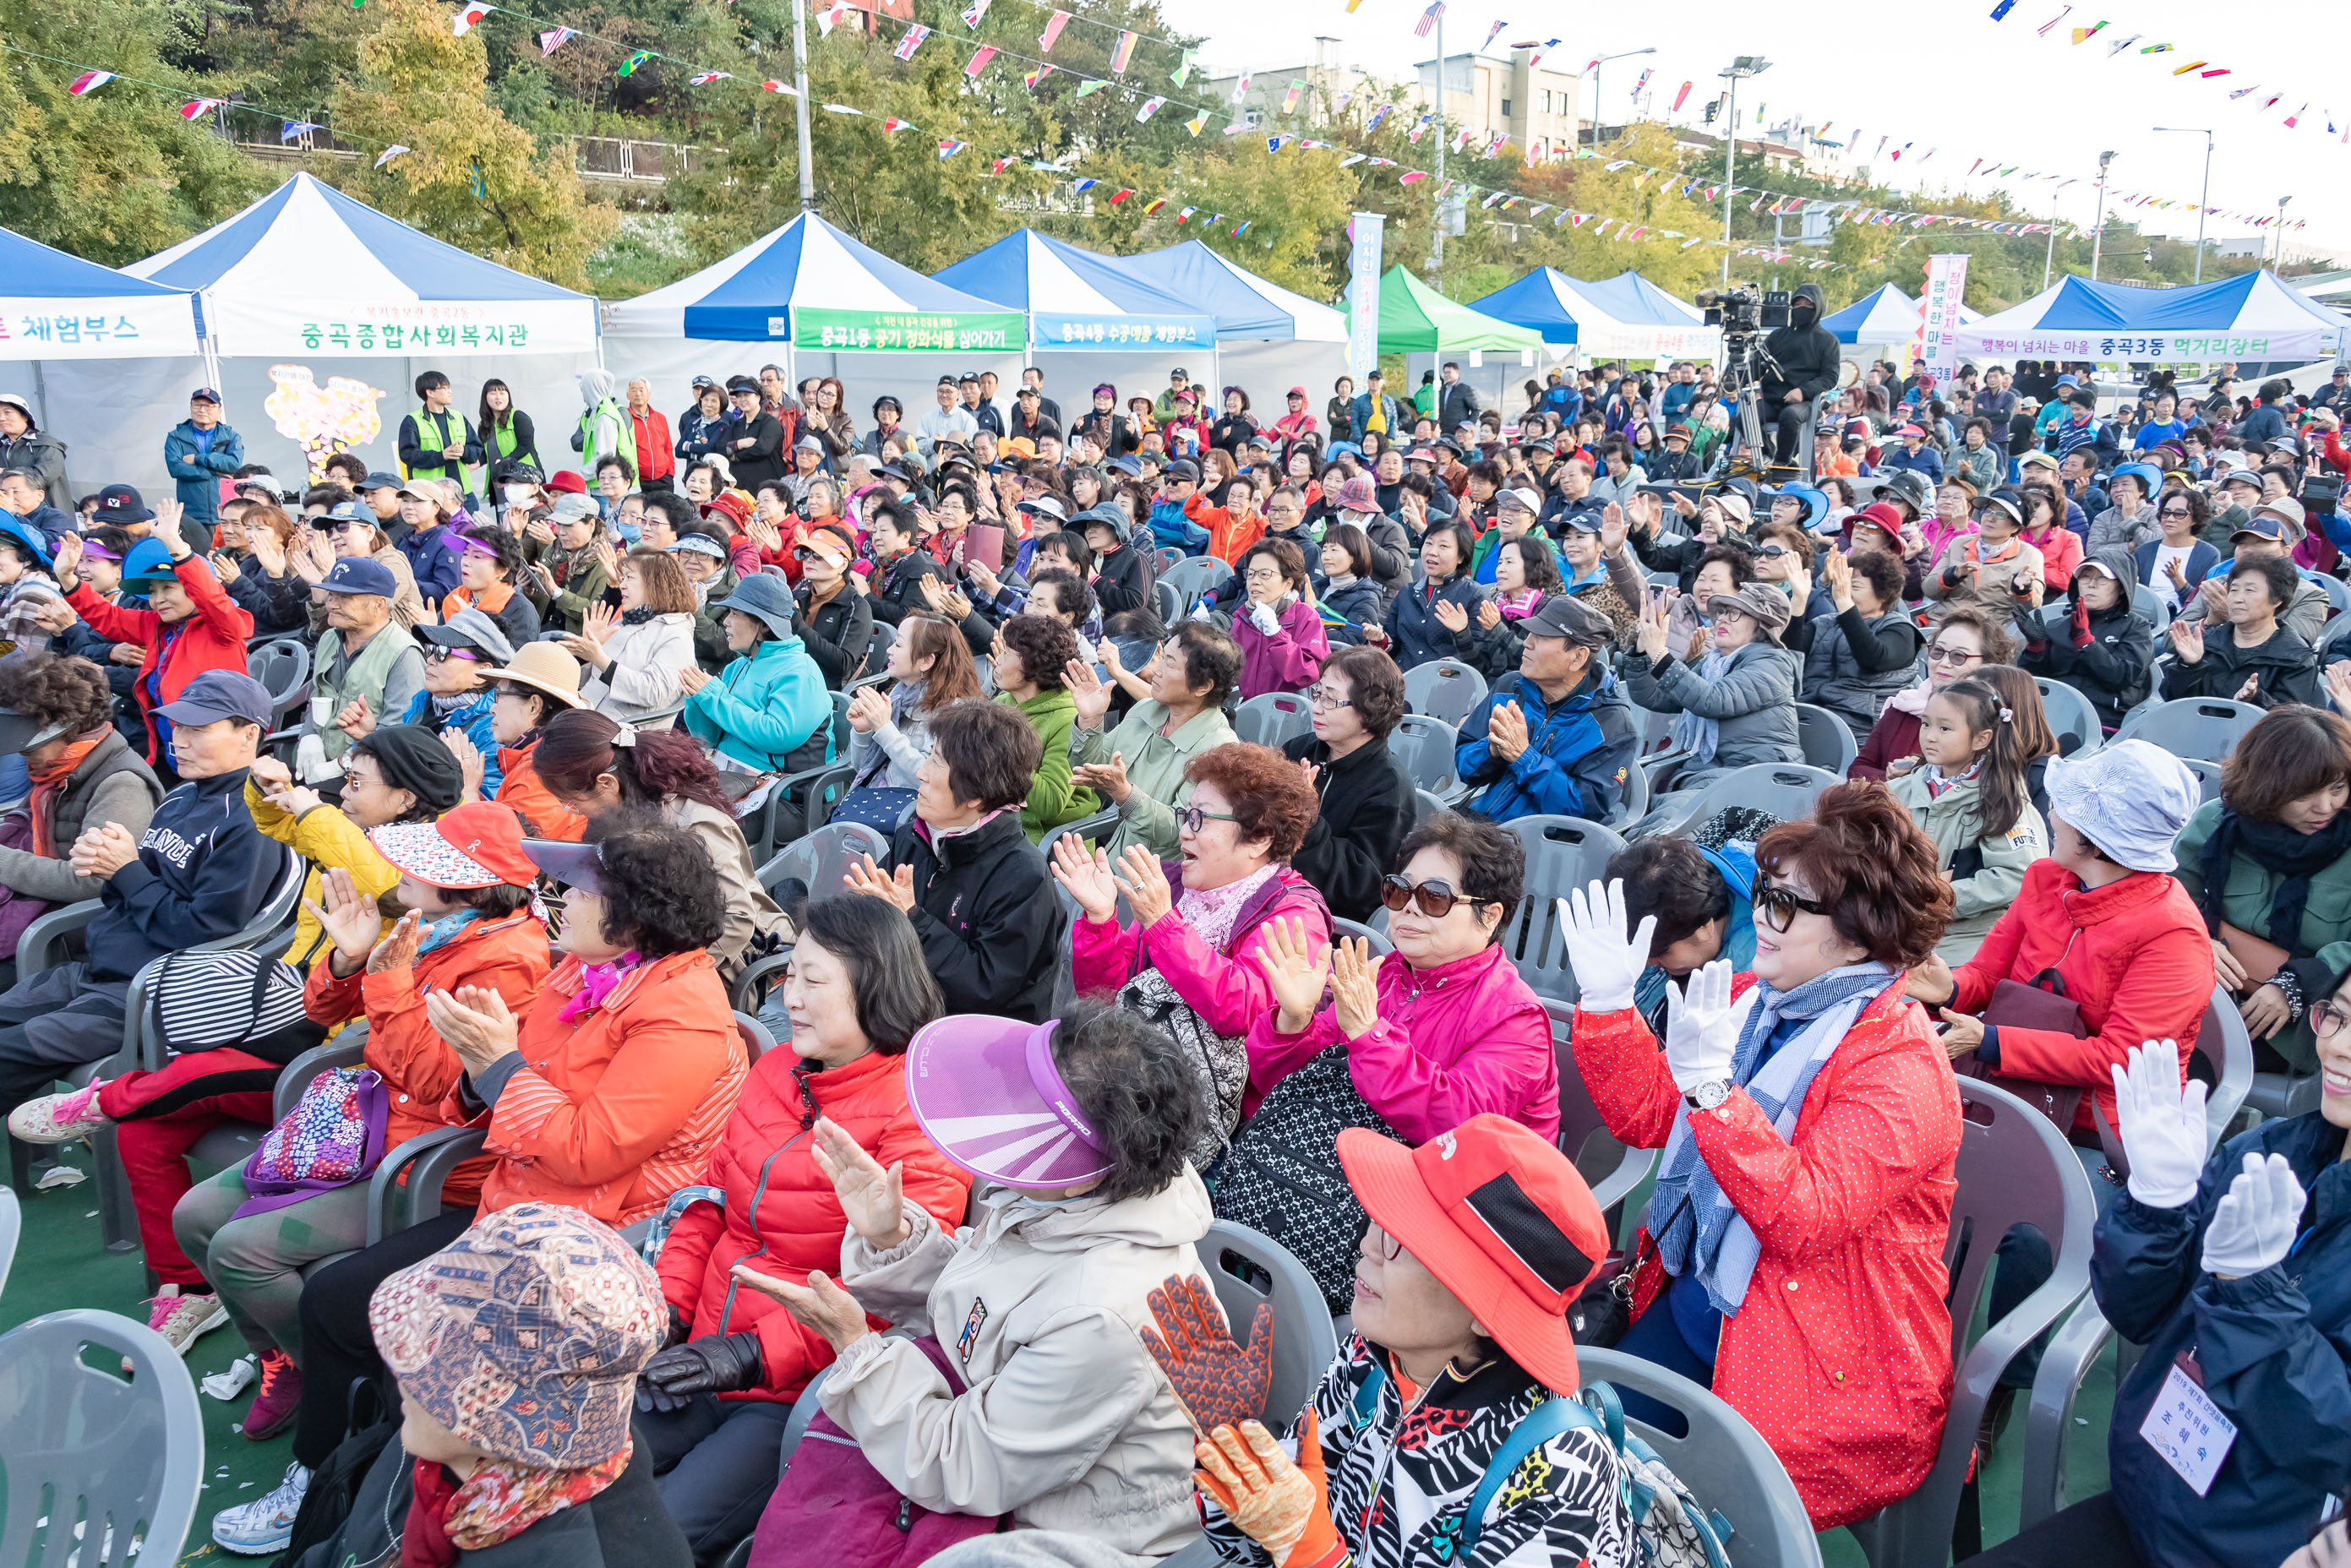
(978, 1316)
(2187, 1430)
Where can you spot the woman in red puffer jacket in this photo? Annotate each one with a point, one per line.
(712, 1407)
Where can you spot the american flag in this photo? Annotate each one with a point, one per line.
(1428, 19)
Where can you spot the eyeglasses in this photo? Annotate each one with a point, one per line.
(1191, 818)
(438, 655)
(1433, 899)
(2326, 1018)
(1778, 907)
(1322, 697)
(1382, 1245)
(1944, 653)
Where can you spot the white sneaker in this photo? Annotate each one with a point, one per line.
(57, 1118)
(181, 1319)
(262, 1528)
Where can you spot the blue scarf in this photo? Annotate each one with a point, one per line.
(440, 933)
(1694, 1234)
(1697, 734)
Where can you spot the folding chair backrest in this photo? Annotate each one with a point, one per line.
(1271, 717)
(1248, 1267)
(1425, 806)
(2071, 715)
(1193, 576)
(1562, 852)
(2196, 729)
(1444, 689)
(1612, 1169)
(2146, 602)
(823, 858)
(1724, 1461)
(2226, 1047)
(1424, 746)
(1785, 790)
(757, 1038)
(2208, 775)
(1636, 799)
(121, 1456)
(1827, 740)
(877, 651)
(1169, 604)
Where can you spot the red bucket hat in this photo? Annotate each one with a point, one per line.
(478, 844)
(1503, 1220)
(565, 482)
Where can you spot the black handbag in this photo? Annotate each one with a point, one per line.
(1601, 1311)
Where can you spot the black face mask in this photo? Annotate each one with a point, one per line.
(1800, 312)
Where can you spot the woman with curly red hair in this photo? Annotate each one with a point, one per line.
(1189, 961)
(1792, 1257)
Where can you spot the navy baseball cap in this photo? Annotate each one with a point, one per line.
(221, 694)
(358, 575)
(379, 479)
(122, 504)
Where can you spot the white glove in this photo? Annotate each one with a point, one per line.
(1607, 965)
(2162, 1127)
(1699, 1041)
(1262, 616)
(2254, 1224)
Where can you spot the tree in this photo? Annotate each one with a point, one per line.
(118, 175)
(472, 177)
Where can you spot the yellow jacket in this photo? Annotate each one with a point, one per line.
(325, 837)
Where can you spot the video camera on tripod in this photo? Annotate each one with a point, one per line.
(1746, 316)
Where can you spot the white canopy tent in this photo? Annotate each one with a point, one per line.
(318, 313)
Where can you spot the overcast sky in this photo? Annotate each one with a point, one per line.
(1940, 74)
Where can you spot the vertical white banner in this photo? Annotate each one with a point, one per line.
(1938, 317)
(1364, 295)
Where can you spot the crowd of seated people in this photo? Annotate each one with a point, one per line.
(964, 1205)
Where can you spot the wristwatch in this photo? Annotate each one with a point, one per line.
(1709, 1094)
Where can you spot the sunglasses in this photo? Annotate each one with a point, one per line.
(1943, 653)
(438, 655)
(1191, 818)
(1778, 907)
(2177, 512)
(1435, 900)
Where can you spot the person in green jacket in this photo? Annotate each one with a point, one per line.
(771, 700)
(603, 430)
(2270, 859)
(1139, 766)
(1030, 665)
(1969, 795)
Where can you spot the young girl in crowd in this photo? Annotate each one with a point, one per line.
(1969, 795)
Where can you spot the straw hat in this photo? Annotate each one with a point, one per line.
(545, 670)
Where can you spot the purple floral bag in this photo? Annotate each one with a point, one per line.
(332, 1138)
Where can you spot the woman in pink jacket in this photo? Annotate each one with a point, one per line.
(1189, 962)
(1438, 1032)
(1282, 644)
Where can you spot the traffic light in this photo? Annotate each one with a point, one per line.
(1713, 108)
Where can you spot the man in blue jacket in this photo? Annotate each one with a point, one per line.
(1557, 738)
(200, 453)
(199, 873)
(1392, 424)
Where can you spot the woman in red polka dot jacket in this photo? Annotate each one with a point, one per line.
(1810, 1123)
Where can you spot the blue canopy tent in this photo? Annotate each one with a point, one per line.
(318, 314)
(2251, 319)
(1268, 337)
(1626, 318)
(801, 297)
(1077, 300)
(1884, 315)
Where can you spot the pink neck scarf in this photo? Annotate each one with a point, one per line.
(598, 981)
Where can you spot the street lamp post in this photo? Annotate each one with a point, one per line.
(2098, 234)
(800, 107)
(1744, 66)
(2203, 197)
(1603, 60)
(2279, 259)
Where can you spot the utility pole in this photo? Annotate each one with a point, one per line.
(2203, 197)
(2049, 261)
(1439, 253)
(1596, 64)
(1744, 66)
(799, 105)
(2098, 236)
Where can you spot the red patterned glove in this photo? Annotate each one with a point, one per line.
(2081, 622)
(1220, 1383)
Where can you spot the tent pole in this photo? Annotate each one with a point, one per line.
(800, 107)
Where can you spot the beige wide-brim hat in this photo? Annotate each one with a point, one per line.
(546, 669)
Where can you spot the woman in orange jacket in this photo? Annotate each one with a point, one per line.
(540, 681)
(711, 1407)
(605, 1092)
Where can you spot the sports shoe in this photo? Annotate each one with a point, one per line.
(262, 1528)
(57, 1118)
(280, 1398)
(181, 1319)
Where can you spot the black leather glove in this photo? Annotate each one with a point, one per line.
(714, 1363)
(681, 1327)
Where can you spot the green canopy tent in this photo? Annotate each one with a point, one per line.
(1416, 319)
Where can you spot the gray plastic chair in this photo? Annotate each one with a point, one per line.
(1724, 1461)
(427, 1159)
(11, 1227)
(1381, 946)
(823, 858)
(1827, 740)
(757, 1038)
(1193, 576)
(1562, 852)
(282, 664)
(2208, 775)
(1271, 718)
(1445, 689)
(1100, 824)
(75, 1439)
(2146, 602)
(1636, 799)
(1165, 600)
(2013, 1169)
(2222, 1043)
(2338, 597)
(1424, 746)
(1612, 1169)
(1786, 790)
(1304, 1342)
(2205, 729)
(2072, 716)
(1425, 806)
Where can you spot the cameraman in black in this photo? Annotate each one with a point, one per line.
(1802, 364)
